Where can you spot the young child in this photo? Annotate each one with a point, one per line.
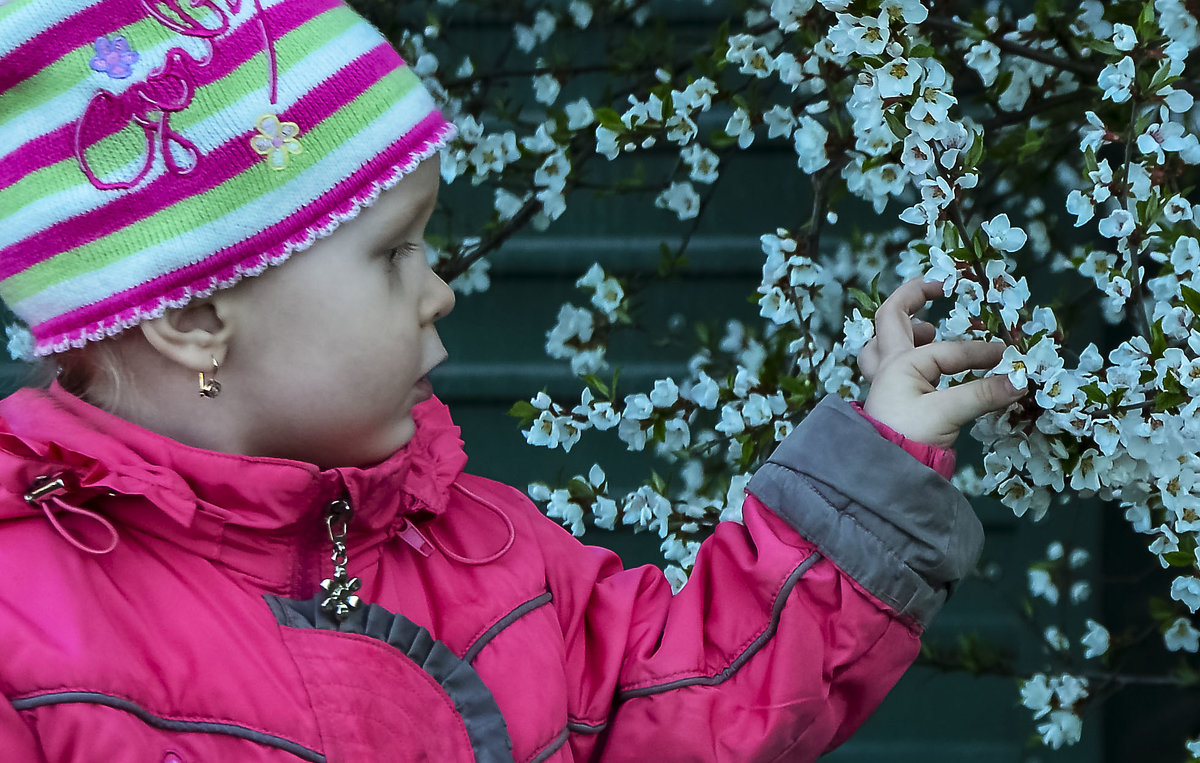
(237, 527)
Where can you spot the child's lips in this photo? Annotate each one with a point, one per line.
(424, 387)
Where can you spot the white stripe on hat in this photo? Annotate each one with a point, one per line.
(26, 23)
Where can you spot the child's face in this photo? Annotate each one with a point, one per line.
(334, 345)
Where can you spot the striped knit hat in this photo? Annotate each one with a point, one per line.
(152, 151)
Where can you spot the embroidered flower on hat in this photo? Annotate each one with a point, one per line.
(113, 57)
(276, 140)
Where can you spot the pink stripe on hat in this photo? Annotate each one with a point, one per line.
(69, 35)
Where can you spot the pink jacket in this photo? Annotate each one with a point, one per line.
(488, 633)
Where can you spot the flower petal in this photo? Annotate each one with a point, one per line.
(268, 124)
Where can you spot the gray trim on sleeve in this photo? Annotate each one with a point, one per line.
(485, 725)
(168, 724)
(888, 521)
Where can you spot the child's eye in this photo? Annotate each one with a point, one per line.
(399, 252)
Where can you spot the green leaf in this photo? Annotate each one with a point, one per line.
(1158, 340)
(594, 382)
(1179, 558)
(922, 51)
(524, 411)
(658, 483)
(793, 385)
(1191, 298)
(719, 139)
(1034, 140)
(1173, 394)
(1146, 26)
(1161, 609)
(896, 124)
(974, 154)
(1160, 77)
(1003, 81)
(609, 118)
(1094, 393)
(580, 490)
(979, 245)
(863, 302)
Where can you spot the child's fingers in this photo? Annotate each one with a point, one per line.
(923, 333)
(936, 359)
(868, 359)
(968, 401)
(893, 319)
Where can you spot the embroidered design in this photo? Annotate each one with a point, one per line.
(149, 105)
(113, 57)
(171, 14)
(169, 90)
(270, 45)
(276, 140)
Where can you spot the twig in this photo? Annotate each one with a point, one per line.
(1080, 68)
(1133, 306)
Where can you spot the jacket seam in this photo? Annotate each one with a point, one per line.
(736, 664)
(586, 727)
(494, 630)
(552, 747)
(223, 728)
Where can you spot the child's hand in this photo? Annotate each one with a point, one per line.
(904, 366)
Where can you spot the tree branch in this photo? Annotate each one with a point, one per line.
(1081, 68)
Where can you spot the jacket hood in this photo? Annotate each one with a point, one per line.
(206, 496)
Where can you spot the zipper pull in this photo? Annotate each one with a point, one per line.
(340, 599)
(409, 533)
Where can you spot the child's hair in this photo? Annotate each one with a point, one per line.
(93, 373)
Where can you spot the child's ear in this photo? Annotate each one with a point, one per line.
(194, 335)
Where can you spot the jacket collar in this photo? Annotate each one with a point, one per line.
(226, 506)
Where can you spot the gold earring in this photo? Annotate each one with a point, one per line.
(210, 388)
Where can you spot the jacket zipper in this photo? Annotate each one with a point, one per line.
(340, 599)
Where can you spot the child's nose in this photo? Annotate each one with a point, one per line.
(440, 298)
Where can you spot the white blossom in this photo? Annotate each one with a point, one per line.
(1002, 235)
(810, 138)
(680, 198)
(1187, 590)
(579, 114)
(546, 88)
(984, 58)
(1124, 37)
(1095, 641)
(1182, 636)
(1117, 79)
(897, 78)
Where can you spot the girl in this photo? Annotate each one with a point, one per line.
(237, 525)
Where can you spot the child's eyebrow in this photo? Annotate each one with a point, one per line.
(415, 213)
